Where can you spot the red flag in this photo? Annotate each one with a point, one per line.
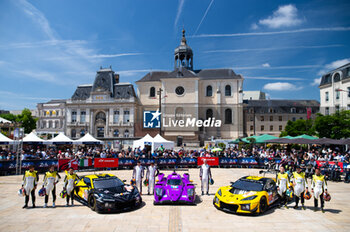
(309, 112)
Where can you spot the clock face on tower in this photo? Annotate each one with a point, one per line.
(179, 90)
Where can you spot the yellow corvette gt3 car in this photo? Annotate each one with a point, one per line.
(248, 195)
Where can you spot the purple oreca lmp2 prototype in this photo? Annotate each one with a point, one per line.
(174, 189)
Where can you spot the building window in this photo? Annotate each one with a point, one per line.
(82, 116)
(43, 124)
(271, 118)
(251, 128)
(116, 133)
(228, 116)
(327, 96)
(152, 92)
(326, 111)
(228, 90)
(262, 128)
(349, 89)
(337, 94)
(251, 110)
(58, 113)
(49, 124)
(348, 107)
(209, 114)
(74, 116)
(270, 110)
(280, 128)
(251, 118)
(82, 132)
(348, 72)
(271, 128)
(293, 110)
(209, 91)
(262, 118)
(337, 108)
(116, 116)
(293, 119)
(126, 133)
(73, 133)
(56, 123)
(126, 116)
(280, 118)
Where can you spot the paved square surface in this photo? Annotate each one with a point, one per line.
(203, 217)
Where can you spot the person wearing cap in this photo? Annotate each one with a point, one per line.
(282, 185)
(205, 176)
(152, 172)
(300, 184)
(138, 174)
(318, 188)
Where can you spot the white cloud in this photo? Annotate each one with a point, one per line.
(266, 65)
(312, 29)
(278, 67)
(254, 26)
(179, 11)
(281, 86)
(333, 65)
(205, 14)
(274, 78)
(284, 16)
(316, 82)
(114, 55)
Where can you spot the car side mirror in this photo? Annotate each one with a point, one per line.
(124, 181)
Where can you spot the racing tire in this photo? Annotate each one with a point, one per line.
(92, 203)
(263, 205)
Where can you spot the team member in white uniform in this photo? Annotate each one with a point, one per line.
(152, 172)
(300, 184)
(282, 185)
(51, 178)
(318, 187)
(29, 183)
(138, 174)
(205, 176)
(69, 180)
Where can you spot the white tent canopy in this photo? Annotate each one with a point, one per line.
(158, 141)
(5, 140)
(88, 139)
(32, 138)
(140, 143)
(60, 139)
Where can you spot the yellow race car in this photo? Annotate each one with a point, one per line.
(248, 195)
(106, 193)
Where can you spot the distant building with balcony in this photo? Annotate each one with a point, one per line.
(335, 90)
(51, 118)
(105, 109)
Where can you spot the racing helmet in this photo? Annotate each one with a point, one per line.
(42, 192)
(211, 181)
(21, 192)
(326, 197)
(307, 195)
(133, 182)
(290, 194)
(63, 194)
(145, 182)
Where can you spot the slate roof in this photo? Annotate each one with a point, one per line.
(327, 78)
(281, 106)
(203, 74)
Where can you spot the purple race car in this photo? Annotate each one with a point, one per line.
(174, 189)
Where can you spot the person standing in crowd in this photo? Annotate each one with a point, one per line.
(152, 172)
(205, 176)
(282, 185)
(299, 182)
(30, 181)
(69, 185)
(51, 178)
(319, 187)
(138, 174)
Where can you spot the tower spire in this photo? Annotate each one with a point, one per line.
(183, 54)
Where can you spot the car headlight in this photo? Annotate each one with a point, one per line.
(159, 192)
(249, 198)
(219, 193)
(216, 200)
(190, 192)
(245, 207)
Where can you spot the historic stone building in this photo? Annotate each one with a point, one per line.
(51, 118)
(335, 90)
(189, 93)
(271, 116)
(106, 109)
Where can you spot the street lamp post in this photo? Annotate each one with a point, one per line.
(160, 110)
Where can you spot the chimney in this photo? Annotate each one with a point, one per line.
(116, 77)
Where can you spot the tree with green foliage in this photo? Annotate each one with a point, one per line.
(298, 127)
(25, 118)
(334, 126)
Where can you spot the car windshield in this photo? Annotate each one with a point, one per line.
(109, 183)
(174, 182)
(246, 185)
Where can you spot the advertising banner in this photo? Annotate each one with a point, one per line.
(123, 162)
(106, 163)
(212, 161)
(228, 161)
(167, 162)
(65, 164)
(247, 161)
(330, 164)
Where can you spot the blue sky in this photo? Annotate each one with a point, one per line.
(47, 48)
